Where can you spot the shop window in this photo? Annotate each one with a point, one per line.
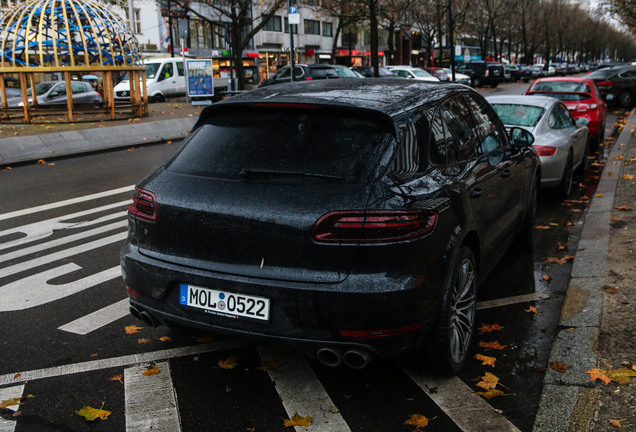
(327, 29)
(312, 27)
(273, 24)
(294, 27)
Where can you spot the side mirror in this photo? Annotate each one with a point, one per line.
(582, 121)
(520, 137)
(53, 94)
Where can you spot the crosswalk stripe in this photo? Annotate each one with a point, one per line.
(5, 394)
(54, 205)
(97, 319)
(308, 398)
(150, 400)
(469, 411)
(70, 369)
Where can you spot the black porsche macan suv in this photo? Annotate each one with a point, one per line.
(348, 218)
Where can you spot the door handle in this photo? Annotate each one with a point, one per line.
(476, 193)
(505, 173)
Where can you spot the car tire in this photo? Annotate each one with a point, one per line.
(585, 163)
(157, 99)
(565, 187)
(494, 85)
(453, 333)
(625, 99)
(526, 233)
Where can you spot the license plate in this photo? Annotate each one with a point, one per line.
(225, 303)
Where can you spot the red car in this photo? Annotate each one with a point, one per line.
(437, 72)
(581, 97)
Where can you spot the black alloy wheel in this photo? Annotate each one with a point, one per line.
(625, 98)
(526, 234)
(157, 99)
(455, 327)
(565, 187)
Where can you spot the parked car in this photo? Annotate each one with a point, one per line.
(367, 71)
(483, 73)
(54, 93)
(351, 229)
(616, 85)
(581, 97)
(165, 79)
(302, 72)
(346, 72)
(11, 93)
(459, 77)
(519, 72)
(437, 72)
(560, 141)
(412, 73)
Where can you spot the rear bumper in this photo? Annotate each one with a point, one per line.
(306, 315)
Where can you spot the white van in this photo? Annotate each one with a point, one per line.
(165, 78)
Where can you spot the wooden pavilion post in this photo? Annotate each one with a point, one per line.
(69, 95)
(25, 98)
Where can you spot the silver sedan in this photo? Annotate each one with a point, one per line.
(560, 141)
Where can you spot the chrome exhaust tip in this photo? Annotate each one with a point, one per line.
(329, 357)
(357, 359)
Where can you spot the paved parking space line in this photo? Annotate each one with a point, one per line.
(44, 207)
(97, 319)
(10, 393)
(126, 360)
(150, 400)
(511, 300)
(469, 411)
(308, 398)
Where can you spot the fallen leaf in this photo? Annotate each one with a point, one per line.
(598, 374)
(132, 329)
(547, 278)
(492, 345)
(610, 290)
(621, 376)
(119, 378)
(531, 309)
(563, 260)
(41, 162)
(16, 376)
(616, 423)
(488, 381)
(151, 370)
(94, 355)
(623, 208)
(543, 227)
(269, 365)
(165, 339)
(491, 393)
(92, 414)
(600, 195)
(297, 420)
(144, 341)
(418, 420)
(554, 224)
(14, 401)
(485, 360)
(487, 328)
(559, 367)
(609, 173)
(562, 247)
(614, 219)
(228, 363)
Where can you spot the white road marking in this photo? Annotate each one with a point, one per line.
(150, 400)
(44, 207)
(511, 300)
(10, 393)
(300, 390)
(45, 228)
(127, 360)
(97, 319)
(83, 248)
(64, 240)
(35, 290)
(469, 411)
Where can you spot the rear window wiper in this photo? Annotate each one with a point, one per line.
(251, 173)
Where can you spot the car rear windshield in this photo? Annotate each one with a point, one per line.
(561, 86)
(278, 144)
(567, 97)
(519, 115)
(602, 73)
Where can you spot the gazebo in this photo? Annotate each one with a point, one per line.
(68, 39)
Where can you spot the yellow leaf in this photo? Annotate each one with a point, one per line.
(487, 328)
(485, 360)
(165, 339)
(152, 370)
(616, 423)
(491, 393)
(269, 365)
(624, 208)
(621, 376)
(488, 381)
(598, 374)
(297, 420)
(119, 378)
(14, 401)
(228, 363)
(544, 227)
(418, 420)
(493, 345)
(600, 195)
(547, 278)
(132, 329)
(92, 414)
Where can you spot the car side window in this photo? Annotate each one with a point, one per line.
(166, 72)
(78, 87)
(60, 89)
(180, 70)
(462, 142)
(491, 133)
(411, 157)
(283, 73)
(560, 118)
(438, 140)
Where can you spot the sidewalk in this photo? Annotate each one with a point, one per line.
(596, 327)
(20, 143)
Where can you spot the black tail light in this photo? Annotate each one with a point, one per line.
(376, 226)
(144, 205)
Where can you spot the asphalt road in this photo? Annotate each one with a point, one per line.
(64, 320)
